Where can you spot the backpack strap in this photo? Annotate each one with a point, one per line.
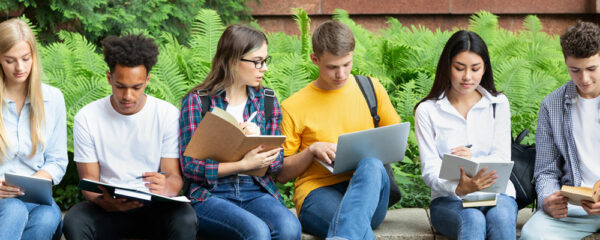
(366, 87)
(494, 107)
(205, 100)
(268, 102)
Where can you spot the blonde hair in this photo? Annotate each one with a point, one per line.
(12, 32)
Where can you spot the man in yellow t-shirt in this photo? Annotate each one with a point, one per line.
(348, 205)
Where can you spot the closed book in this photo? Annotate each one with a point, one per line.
(480, 200)
(219, 137)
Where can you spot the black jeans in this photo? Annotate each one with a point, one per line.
(87, 220)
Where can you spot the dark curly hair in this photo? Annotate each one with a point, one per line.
(581, 40)
(130, 51)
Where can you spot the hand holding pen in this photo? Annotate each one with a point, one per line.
(155, 181)
(249, 127)
(462, 151)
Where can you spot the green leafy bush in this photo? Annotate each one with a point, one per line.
(527, 66)
(96, 19)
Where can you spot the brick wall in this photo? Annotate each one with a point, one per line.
(556, 15)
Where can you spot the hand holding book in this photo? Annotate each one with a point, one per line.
(482, 180)
(258, 158)
(114, 204)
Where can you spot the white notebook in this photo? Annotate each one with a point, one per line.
(450, 171)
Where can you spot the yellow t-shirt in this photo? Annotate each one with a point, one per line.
(316, 115)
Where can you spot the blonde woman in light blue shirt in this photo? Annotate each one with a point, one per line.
(33, 135)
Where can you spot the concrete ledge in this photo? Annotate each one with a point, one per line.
(414, 223)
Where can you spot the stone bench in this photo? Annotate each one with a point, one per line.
(414, 224)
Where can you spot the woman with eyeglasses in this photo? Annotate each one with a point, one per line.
(228, 203)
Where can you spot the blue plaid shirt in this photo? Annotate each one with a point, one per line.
(556, 161)
(203, 172)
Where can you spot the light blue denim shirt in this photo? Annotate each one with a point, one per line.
(52, 155)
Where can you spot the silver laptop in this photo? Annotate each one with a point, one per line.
(387, 144)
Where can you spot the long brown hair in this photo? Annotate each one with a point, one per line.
(11, 32)
(460, 41)
(236, 41)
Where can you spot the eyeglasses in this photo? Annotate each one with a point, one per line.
(258, 64)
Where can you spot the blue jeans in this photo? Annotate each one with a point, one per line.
(23, 220)
(239, 208)
(351, 209)
(452, 220)
(577, 225)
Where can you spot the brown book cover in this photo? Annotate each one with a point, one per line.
(578, 194)
(219, 137)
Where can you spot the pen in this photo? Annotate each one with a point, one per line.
(251, 116)
(468, 145)
(161, 172)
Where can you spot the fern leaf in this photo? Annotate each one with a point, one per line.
(303, 21)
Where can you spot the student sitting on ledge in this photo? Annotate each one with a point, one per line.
(348, 205)
(33, 134)
(464, 115)
(568, 133)
(121, 137)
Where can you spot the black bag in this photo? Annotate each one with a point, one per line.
(366, 87)
(521, 176)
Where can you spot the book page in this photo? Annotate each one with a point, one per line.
(225, 116)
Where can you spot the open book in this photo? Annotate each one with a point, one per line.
(219, 137)
(37, 190)
(129, 193)
(578, 194)
(450, 171)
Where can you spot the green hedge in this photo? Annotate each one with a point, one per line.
(527, 66)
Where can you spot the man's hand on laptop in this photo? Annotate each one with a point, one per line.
(323, 151)
(111, 204)
(256, 159)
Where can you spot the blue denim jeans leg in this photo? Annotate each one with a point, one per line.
(21, 220)
(349, 210)
(240, 209)
(452, 220)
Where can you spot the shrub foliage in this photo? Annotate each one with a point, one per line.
(527, 66)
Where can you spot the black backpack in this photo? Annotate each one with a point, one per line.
(206, 103)
(521, 176)
(366, 87)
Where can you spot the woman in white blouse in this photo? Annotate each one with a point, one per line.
(33, 134)
(464, 115)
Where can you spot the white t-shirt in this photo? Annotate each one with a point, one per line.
(586, 132)
(125, 146)
(237, 111)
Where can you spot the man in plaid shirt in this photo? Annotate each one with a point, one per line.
(566, 142)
